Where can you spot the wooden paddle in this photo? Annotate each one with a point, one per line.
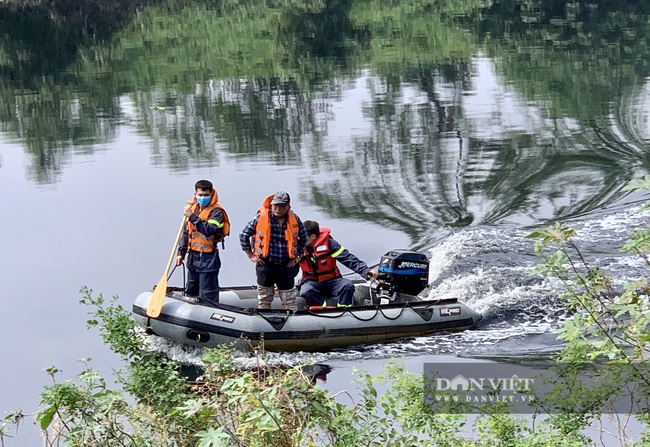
(158, 295)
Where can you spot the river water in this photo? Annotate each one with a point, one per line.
(453, 132)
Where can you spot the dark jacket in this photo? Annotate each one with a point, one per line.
(203, 262)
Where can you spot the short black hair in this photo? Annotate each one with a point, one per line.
(205, 185)
(311, 227)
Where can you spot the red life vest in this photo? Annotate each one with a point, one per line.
(198, 241)
(262, 238)
(320, 266)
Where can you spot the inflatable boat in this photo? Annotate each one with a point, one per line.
(386, 308)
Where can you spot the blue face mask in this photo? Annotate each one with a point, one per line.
(203, 201)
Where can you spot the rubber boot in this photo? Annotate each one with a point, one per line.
(288, 298)
(264, 297)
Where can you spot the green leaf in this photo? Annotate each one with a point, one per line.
(643, 183)
(45, 416)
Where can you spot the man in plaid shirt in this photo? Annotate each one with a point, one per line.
(275, 241)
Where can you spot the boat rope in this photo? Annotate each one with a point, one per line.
(377, 310)
(343, 311)
(351, 312)
(401, 311)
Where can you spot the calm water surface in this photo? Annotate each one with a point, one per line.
(451, 131)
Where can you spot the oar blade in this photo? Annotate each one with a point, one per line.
(157, 298)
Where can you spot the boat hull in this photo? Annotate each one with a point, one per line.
(236, 321)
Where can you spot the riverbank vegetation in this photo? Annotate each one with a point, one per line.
(603, 360)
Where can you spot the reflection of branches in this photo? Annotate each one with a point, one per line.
(404, 175)
(39, 41)
(258, 118)
(42, 38)
(409, 175)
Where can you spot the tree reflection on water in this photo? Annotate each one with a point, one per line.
(419, 116)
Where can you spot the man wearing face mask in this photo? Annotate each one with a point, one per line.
(207, 225)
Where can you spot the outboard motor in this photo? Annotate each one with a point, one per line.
(402, 271)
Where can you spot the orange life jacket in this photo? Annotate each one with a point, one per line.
(261, 241)
(320, 266)
(198, 241)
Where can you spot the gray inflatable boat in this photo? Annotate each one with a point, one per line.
(384, 309)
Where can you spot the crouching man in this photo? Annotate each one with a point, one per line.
(321, 278)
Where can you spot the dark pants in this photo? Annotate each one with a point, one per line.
(203, 277)
(205, 286)
(315, 293)
(269, 275)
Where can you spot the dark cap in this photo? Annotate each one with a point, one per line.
(280, 198)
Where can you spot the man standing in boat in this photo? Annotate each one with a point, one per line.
(275, 240)
(207, 225)
(321, 278)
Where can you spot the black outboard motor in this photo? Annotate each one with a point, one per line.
(403, 271)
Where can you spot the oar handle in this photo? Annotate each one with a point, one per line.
(175, 247)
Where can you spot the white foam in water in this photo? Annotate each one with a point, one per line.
(184, 354)
(463, 244)
(478, 291)
(191, 355)
(615, 227)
